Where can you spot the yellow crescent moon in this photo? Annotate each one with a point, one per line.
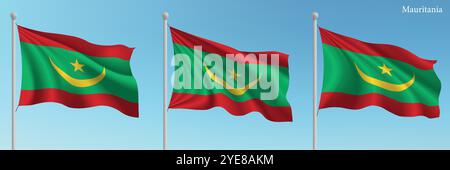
(79, 82)
(224, 84)
(384, 84)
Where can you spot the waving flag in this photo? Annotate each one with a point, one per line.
(358, 74)
(209, 74)
(71, 71)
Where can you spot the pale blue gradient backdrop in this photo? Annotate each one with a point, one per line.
(248, 25)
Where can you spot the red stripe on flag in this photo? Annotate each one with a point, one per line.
(376, 50)
(205, 102)
(209, 46)
(31, 97)
(73, 44)
(349, 101)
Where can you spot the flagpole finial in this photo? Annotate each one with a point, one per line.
(165, 15)
(315, 15)
(13, 16)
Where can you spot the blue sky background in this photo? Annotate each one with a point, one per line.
(248, 25)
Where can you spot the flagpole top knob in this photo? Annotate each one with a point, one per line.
(13, 16)
(315, 15)
(165, 15)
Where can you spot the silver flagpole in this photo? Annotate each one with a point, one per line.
(13, 80)
(315, 16)
(165, 17)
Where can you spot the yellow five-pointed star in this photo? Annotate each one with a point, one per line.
(77, 66)
(385, 70)
(234, 74)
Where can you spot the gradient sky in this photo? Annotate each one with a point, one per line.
(247, 25)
